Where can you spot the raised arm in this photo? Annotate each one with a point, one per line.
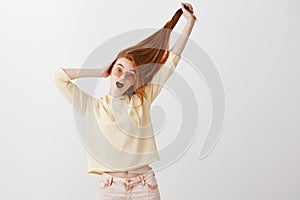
(153, 88)
(180, 43)
(78, 99)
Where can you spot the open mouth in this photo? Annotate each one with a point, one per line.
(119, 85)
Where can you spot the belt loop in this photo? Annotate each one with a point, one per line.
(142, 179)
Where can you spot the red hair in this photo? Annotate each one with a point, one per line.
(147, 56)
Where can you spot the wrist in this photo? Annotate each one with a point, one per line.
(190, 22)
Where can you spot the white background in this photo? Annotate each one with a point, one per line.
(254, 45)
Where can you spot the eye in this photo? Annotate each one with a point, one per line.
(119, 69)
(130, 75)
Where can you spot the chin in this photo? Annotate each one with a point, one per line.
(118, 91)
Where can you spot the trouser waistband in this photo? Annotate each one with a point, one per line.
(127, 182)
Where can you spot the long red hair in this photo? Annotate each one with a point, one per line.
(147, 56)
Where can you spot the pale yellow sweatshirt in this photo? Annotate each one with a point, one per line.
(119, 131)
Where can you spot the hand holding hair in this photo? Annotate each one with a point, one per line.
(188, 11)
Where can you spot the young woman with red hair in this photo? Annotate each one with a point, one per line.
(118, 149)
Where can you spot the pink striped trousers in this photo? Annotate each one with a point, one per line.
(142, 187)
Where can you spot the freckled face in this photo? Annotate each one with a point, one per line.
(122, 77)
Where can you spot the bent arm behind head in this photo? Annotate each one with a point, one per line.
(75, 73)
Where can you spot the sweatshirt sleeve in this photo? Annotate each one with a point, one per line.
(77, 98)
(153, 88)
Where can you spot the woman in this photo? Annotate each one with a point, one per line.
(119, 150)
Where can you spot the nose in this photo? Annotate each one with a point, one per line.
(122, 78)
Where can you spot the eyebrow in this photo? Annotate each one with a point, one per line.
(124, 67)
